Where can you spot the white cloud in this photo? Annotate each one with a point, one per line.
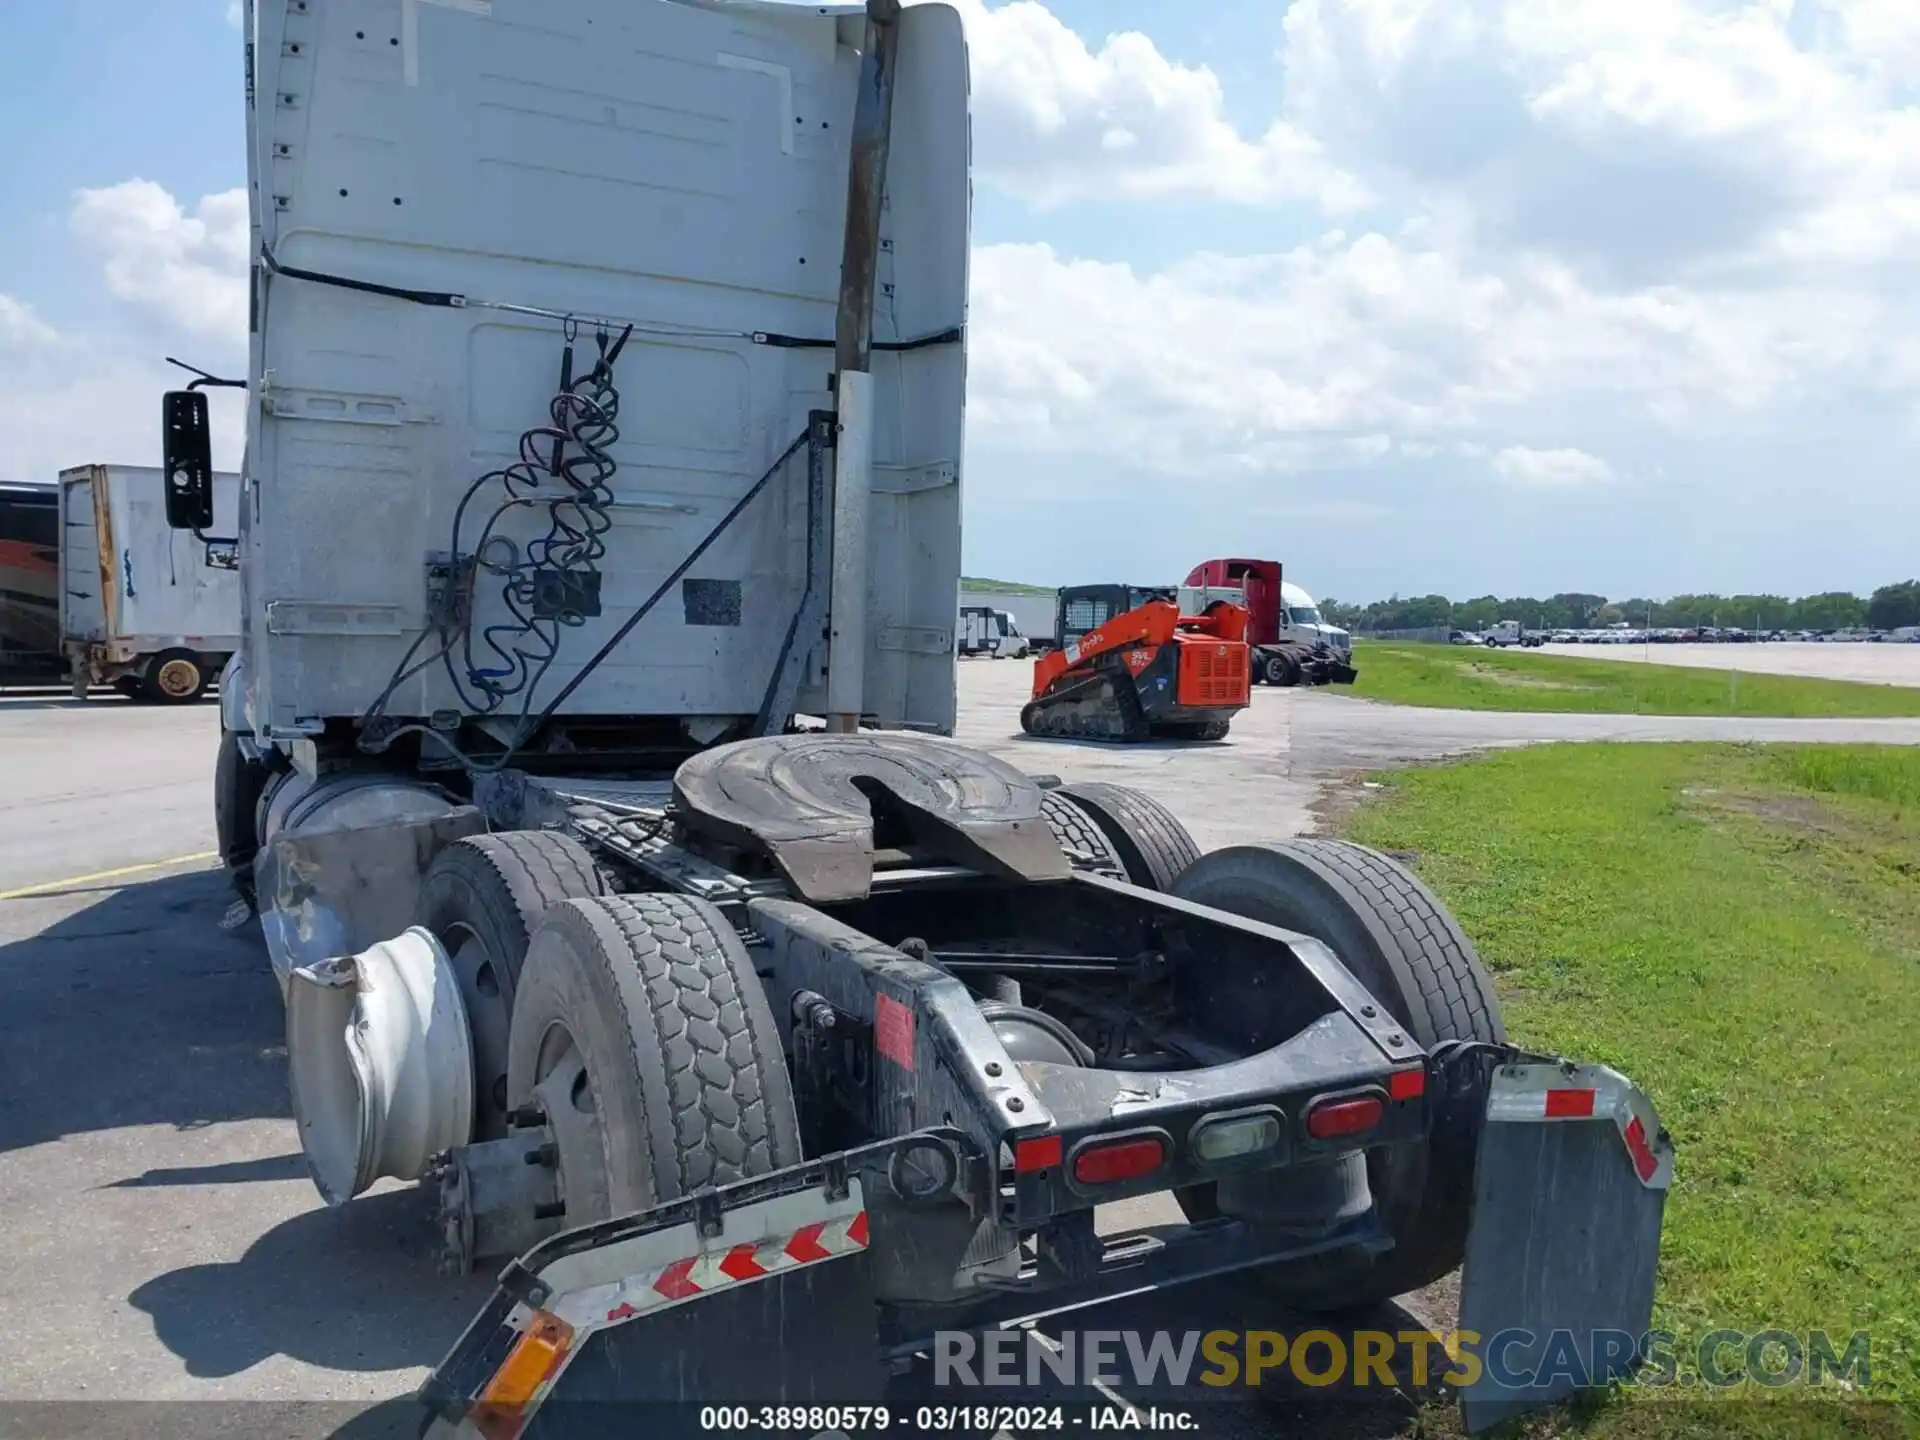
(20, 329)
(1357, 349)
(186, 269)
(1884, 33)
(1639, 221)
(79, 399)
(1056, 120)
(1610, 226)
(1645, 138)
(71, 397)
(235, 14)
(1553, 469)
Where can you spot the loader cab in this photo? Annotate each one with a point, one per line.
(1087, 607)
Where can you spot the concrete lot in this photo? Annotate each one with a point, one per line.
(160, 1229)
(1880, 664)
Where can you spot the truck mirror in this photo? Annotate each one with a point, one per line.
(187, 451)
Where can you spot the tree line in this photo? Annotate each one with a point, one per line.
(1888, 608)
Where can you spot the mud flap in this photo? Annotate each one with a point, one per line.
(1569, 1192)
(803, 1338)
(641, 1327)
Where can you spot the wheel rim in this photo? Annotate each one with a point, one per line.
(482, 983)
(178, 679)
(564, 1091)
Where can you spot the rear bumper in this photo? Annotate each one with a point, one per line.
(937, 1061)
(714, 1298)
(1273, 1093)
(1570, 1185)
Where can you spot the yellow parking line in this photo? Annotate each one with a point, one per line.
(75, 881)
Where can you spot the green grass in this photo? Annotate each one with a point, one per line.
(1738, 928)
(1457, 677)
(1011, 587)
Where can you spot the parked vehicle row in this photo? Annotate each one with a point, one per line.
(1728, 635)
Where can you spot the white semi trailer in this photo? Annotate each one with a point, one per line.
(144, 608)
(600, 538)
(1033, 615)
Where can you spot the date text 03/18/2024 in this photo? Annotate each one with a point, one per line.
(830, 1422)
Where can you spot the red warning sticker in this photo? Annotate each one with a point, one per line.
(893, 1031)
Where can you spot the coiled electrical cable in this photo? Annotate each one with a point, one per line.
(544, 585)
(567, 465)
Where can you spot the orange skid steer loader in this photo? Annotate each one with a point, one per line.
(1148, 674)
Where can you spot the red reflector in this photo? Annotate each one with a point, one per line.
(1331, 1119)
(1407, 1084)
(1041, 1154)
(1645, 1162)
(1122, 1160)
(1569, 1104)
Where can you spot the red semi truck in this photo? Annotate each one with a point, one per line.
(1292, 644)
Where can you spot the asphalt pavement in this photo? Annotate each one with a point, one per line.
(162, 1240)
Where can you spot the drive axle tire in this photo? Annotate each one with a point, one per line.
(1398, 941)
(484, 896)
(1151, 842)
(1085, 843)
(175, 677)
(238, 784)
(656, 1001)
(1281, 670)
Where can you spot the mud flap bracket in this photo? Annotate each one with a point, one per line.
(761, 1291)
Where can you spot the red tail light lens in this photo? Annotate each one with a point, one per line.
(1332, 1119)
(1042, 1153)
(1407, 1084)
(1119, 1160)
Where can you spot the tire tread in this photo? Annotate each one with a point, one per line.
(719, 1107)
(536, 870)
(1456, 995)
(1079, 835)
(1149, 838)
(1416, 960)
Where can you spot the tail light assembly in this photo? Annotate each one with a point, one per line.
(1118, 1159)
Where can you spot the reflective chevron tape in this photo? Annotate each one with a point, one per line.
(717, 1267)
(1586, 1092)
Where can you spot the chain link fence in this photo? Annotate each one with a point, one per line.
(1431, 635)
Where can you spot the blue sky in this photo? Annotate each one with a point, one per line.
(1470, 295)
(107, 90)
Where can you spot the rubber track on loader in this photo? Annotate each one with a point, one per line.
(1100, 707)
